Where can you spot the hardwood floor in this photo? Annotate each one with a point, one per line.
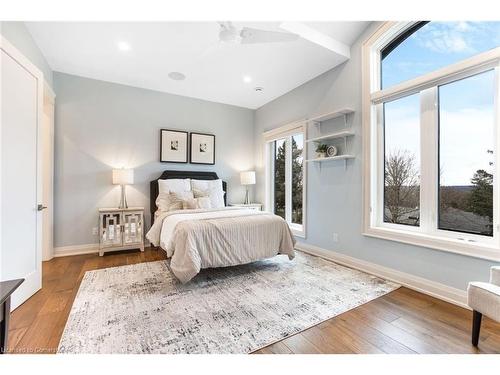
(403, 321)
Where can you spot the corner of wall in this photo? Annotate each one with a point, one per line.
(18, 34)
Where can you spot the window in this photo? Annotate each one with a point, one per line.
(285, 175)
(428, 46)
(402, 161)
(431, 97)
(466, 152)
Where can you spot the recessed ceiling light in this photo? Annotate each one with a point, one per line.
(259, 89)
(247, 79)
(123, 46)
(176, 76)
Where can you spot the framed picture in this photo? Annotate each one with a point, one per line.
(202, 148)
(173, 146)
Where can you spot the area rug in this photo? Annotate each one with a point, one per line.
(142, 308)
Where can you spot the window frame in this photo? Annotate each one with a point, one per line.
(427, 234)
(286, 131)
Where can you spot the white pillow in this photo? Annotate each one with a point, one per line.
(211, 189)
(175, 185)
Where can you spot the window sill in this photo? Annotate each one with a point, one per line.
(299, 234)
(475, 250)
(297, 230)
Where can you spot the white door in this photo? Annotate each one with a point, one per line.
(21, 108)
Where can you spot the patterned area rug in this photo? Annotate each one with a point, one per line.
(142, 308)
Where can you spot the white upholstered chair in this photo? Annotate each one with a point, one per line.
(484, 298)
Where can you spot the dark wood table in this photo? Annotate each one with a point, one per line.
(6, 290)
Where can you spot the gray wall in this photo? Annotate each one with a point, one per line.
(19, 36)
(101, 126)
(334, 195)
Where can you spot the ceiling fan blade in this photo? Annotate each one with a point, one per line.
(249, 36)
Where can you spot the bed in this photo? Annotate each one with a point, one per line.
(211, 235)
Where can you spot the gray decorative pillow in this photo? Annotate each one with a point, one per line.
(201, 202)
(172, 201)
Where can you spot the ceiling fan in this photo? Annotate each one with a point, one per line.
(230, 34)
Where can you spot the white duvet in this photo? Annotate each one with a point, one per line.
(196, 239)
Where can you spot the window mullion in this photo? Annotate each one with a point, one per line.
(288, 179)
(378, 166)
(429, 159)
(496, 185)
(271, 152)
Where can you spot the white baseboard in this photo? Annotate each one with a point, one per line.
(64, 251)
(431, 288)
(90, 248)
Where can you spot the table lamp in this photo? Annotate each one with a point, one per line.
(247, 178)
(123, 177)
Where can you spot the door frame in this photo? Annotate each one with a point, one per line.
(47, 216)
(31, 284)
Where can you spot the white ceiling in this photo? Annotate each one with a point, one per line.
(214, 70)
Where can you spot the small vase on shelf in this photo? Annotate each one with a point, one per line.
(321, 150)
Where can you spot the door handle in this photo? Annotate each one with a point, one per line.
(41, 207)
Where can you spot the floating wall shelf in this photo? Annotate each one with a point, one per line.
(319, 161)
(341, 134)
(338, 157)
(336, 135)
(331, 115)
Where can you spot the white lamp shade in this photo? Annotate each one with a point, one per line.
(123, 176)
(247, 178)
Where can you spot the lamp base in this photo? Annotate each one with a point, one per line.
(247, 198)
(123, 201)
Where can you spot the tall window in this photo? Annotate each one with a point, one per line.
(466, 153)
(433, 92)
(279, 177)
(402, 161)
(285, 170)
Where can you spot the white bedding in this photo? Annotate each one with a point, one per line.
(228, 236)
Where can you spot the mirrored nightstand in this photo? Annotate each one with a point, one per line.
(121, 229)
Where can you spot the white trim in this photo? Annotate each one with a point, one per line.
(420, 284)
(284, 131)
(22, 60)
(429, 159)
(288, 179)
(64, 251)
(465, 68)
(441, 243)
(305, 150)
(268, 178)
(48, 93)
